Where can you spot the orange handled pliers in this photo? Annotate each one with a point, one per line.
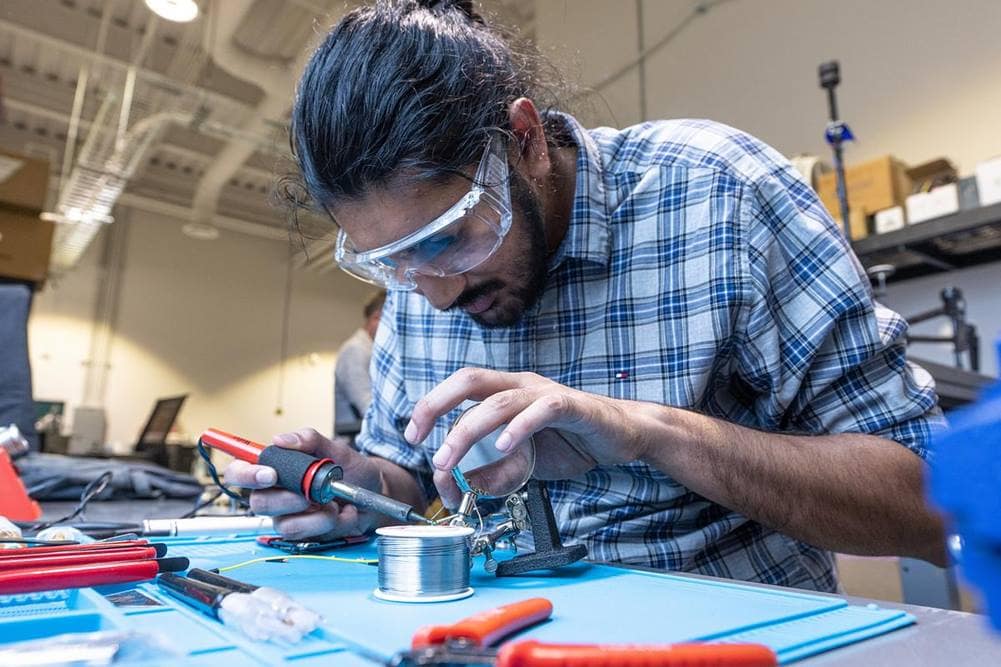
(470, 642)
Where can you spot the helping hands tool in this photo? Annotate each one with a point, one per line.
(470, 641)
(320, 480)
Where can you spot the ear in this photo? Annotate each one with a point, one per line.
(532, 149)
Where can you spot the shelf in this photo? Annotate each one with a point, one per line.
(954, 241)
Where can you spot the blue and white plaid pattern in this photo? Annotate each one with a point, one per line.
(698, 271)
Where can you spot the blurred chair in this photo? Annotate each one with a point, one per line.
(16, 405)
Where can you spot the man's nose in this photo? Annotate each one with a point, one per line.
(441, 292)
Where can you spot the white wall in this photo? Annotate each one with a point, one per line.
(920, 79)
(202, 318)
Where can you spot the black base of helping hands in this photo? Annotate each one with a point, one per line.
(549, 551)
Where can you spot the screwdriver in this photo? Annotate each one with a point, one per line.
(320, 480)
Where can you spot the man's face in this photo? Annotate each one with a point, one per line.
(497, 292)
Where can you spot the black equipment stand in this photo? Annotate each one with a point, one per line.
(549, 551)
(836, 133)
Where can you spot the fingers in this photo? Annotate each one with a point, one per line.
(249, 476)
(447, 489)
(277, 502)
(307, 440)
(479, 422)
(465, 384)
(314, 522)
(551, 411)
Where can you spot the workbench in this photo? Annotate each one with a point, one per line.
(938, 637)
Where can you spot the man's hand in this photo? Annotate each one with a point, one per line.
(574, 431)
(295, 517)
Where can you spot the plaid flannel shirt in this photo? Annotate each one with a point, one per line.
(700, 271)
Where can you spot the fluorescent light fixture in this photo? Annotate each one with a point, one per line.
(179, 11)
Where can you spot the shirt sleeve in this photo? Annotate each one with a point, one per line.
(815, 352)
(389, 412)
(352, 376)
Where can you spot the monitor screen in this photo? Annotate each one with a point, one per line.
(160, 421)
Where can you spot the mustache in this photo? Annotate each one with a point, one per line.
(474, 293)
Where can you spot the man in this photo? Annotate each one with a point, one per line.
(352, 384)
(667, 308)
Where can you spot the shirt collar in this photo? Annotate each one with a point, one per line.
(588, 237)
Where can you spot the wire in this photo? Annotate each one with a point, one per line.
(214, 474)
(91, 491)
(202, 505)
(282, 559)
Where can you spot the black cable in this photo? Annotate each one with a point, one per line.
(91, 491)
(202, 505)
(214, 474)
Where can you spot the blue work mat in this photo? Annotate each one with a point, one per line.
(592, 604)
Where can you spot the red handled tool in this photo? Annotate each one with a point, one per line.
(34, 561)
(469, 641)
(319, 480)
(297, 471)
(92, 547)
(33, 580)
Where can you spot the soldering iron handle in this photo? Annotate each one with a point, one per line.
(531, 653)
(300, 472)
(234, 445)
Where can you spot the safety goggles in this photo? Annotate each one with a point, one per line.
(460, 239)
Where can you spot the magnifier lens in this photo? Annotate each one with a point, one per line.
(495, 474)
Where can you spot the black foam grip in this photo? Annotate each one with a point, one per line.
(290, 464)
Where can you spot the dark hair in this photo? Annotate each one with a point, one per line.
(375, 303)
(404, 89)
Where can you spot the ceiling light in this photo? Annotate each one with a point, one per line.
(180, 11)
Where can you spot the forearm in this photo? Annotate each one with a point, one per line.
(400, 483)
(850, 492)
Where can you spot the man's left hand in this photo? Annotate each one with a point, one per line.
(574, 431)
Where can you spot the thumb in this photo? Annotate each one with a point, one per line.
(307, 440)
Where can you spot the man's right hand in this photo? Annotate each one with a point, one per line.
(295, 517)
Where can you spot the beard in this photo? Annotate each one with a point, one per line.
(527, 280)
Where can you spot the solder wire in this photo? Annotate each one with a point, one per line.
(424, 566)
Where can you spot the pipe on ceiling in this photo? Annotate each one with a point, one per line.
(275, 78)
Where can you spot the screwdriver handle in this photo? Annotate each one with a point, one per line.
(531, 653)
(487, 627)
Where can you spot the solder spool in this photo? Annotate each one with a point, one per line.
(424, 563)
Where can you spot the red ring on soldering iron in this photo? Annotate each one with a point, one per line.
(307, 479)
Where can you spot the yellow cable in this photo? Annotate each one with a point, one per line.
(280, 559)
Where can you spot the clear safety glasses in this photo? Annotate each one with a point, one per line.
(460, 239)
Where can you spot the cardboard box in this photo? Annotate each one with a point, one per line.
(872, 186)
(935, 204)
(858, 224)
(24, 181)
(25, 245)
(988, 176)
(890, 219)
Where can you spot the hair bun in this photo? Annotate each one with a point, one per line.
(464, 6)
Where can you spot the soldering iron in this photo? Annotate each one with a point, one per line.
(320, 480)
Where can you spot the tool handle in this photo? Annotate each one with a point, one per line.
(234, 445)
(531, 653)
(297, 471)
(487, 627)
(76, 576)
(30, 561)
(80, 548)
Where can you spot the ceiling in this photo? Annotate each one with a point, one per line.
(200, 110)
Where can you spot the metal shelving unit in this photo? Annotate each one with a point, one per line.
(961, 240)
